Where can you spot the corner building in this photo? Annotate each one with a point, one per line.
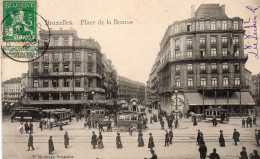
(203, 63)
(65, 75)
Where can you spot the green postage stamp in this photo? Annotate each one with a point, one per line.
(19, 21)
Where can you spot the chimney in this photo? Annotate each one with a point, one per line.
(223, 8)
(192, 11)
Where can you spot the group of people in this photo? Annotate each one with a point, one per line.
(97, 140)
(27, 127)
(243, 154)
(99, 125)
(249, 121)
(168, 137)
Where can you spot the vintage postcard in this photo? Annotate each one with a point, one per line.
(135, 79)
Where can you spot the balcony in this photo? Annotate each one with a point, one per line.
(55, 89)
(203, 71)
(227, 87)
(190, 72)
(35, 74)
(225, 71)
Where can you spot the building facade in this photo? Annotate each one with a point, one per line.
(69, 74)
(129, 89)
(256, 88)
(13, 89)
(202, 63)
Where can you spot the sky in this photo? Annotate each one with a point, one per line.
(132, 48)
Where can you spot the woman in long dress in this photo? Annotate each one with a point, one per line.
(221, 139)
(140, 139)
(51, 145)
(100, 142)
(151, 143)
(118, 141)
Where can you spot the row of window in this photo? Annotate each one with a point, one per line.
(66, 56)
(213, 41)
(55, 83)
(203, 82)
(56, 96)
(66, 68)
(213, 53)
(224, 26)
(225, 66)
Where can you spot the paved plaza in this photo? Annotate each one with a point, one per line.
(184, 141)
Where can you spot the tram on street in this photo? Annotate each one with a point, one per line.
(57, 116)
(95, 114)
(127, 118)
(27, 114)
(215, 113)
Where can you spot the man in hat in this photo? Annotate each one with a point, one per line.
(243, 123)
(66, 139)
(31, 127)
(151, 143)
(243, 154)
(236, 136)
(30, 142)
(214, 155)
(198, 137)
(170, 136)
(154, 156)
(166, 138)
(255, 156)
(94, 140)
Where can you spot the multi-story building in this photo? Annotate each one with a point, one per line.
(13, 90)
(248, 78)
(69, 74)
(202, 63)
(153, 97)
(129, 89)
(256, 88)
(110, 79)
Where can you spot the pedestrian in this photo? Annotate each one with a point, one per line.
(162, 124)
(30, 142)
(166, 138)
(221, 139)
(236, 136)
(118, 141)
(194, 121)
(94, 140)
(140, 140)
(41, 125)
(31, 127)
(254, 120)
(201, 139)
(66, 139)
(250, 121)
(243, 123)
(89, 124)
(214, 155)
(255, 156)
(21, 127)
(100, 141)
(151, 143)
(176, 123)
(257, 136)
(130, 130)
(198, 138)
(203, 151)
(170, 135)
(51, 145)
(110, 126)
(61, 126)
(243, 154)
(247, 121)
(154, 156)
(151, 119)
(26, 127)
(215, 122)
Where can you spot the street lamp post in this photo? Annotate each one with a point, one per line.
(93, 93)
(176, 92)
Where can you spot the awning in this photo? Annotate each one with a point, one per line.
(196, 99)
(106, 102)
